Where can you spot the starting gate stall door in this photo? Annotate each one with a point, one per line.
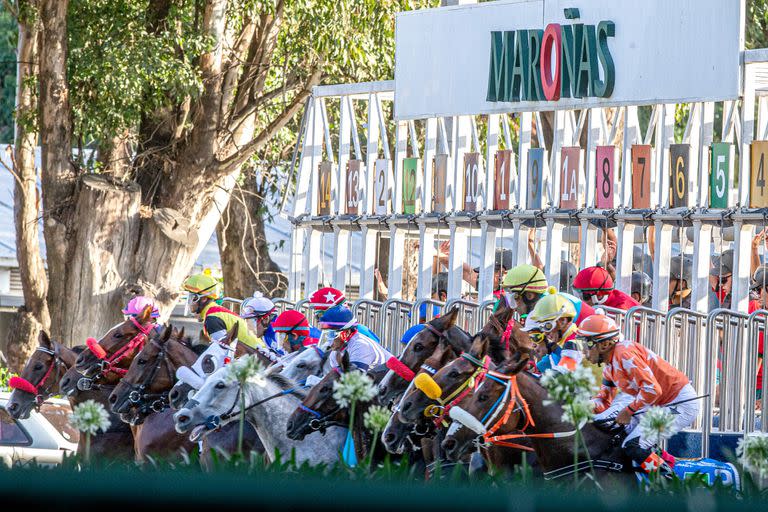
(535, 178)
(381, 187)
(410, 170)
(641, 176)
(324, 190)
(569, 178)
(679, 162)
(502, 179)
(719, 174)
(353, 187)
(439, 173)
(471, 174)
(605, 162)
(758, 195)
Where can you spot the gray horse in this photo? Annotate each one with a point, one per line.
(218, 402)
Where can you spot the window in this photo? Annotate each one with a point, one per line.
(11, 432)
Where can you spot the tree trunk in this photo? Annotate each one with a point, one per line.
(245, 260)
(33, 316)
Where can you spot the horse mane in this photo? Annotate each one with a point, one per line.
(286, 384)
(77, 349)
(198, 348)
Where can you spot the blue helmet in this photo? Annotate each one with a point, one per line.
(338, 318)
(410, 333)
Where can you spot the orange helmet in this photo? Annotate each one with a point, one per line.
(598, 328)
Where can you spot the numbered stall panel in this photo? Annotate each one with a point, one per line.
(535, 177)
(471, 171)
(719, 174)
(605, 160)
(641, 176)
(439, 173)
(679, 169)
(569, 177)
(353, 187)
(324, 188)
(502, 179)
(410, 170)
(381, 187)
(758, 195)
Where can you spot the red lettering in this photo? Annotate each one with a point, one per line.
(550, 70)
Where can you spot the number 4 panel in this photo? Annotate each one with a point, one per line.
(758, 195)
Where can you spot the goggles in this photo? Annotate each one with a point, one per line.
(537, 337)
(592, 341)
(326, 337)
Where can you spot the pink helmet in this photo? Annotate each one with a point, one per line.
(137, 304)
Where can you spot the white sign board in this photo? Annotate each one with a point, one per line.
(664, 51)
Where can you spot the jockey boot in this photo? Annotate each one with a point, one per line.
(668, 458)
(647, 459)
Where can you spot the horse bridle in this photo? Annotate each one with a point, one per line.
(140, 397)
(108, 362)
(322, 421)
(439, 412)
(41, 394)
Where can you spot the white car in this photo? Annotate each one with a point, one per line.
(44, 437)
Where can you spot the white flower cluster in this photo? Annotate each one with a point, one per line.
(657, 424)
(89, 417)
(246, 369)
(353, 387)
(574, 390)
(376, 418)
(753, 455)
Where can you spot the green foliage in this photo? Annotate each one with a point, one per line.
(5, 376)
(8, 39)
(757, 24)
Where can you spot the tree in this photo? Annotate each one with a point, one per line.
(148, 110)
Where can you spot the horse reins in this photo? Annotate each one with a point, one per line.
(136, 344)
(22, 384)
(439, 412)
(152, 402)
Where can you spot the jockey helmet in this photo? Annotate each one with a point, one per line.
(641, 285)
(567, 275)
(203, 285)
(338, 318)
(291, 321)
(550, 308)
(593, 281)
(410, 333)
(598, 328)
(326, 298)
(760, 278)
(256, 306)
(680, 267)
(524, 278)
(137, 305)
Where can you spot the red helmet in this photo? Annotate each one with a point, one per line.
(291, 321)
(593, 281)
(325, 298)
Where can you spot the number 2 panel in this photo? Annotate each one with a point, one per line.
(381, 187)
(604, 162)
(758, 195)
(535, 178)
(641, 176)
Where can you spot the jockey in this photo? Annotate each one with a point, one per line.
(552, 322)
(595, 286)
(326, 298)
(680, 274)
(760, 285)
(642, 287)
(525, 284)
(259, 312)
(364, 352)
(204, 300)
(137, 305)
(643, 379)
(292, 331)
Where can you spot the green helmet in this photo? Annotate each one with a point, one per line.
(525, 278)
(204, 285)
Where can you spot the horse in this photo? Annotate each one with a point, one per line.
(508, 408)
(418, 350)
(268, 405)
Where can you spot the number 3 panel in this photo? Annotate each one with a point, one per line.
(679, 162)
(758, 195)
(641, 176)
(535, 178)
(605, 158)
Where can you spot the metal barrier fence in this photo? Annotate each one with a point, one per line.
(684, 346)
(283, 305)
(646, 326)
(232, 304)
(486, 310)
(396, 319)
(756, 327)
(367, 313)
(469, 314)
(428, 313)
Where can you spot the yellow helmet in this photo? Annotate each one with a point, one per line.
(204, 285)
(550, 308)
(525, 278)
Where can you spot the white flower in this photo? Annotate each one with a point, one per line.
(578, 412)
(376, 418)
(246, 369)
(574, 390)
(90, 417)
(657, 424)
(753, 455)
(352, 387)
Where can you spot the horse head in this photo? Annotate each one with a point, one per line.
(39, 380)
(310, 361)
(216, 402)
(418, 350)
(114, 352)
(319, 410)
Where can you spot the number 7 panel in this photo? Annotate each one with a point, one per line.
(641, 176)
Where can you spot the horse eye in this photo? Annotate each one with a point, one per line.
(326, 389)
(418, 347)
(454, 374)
(482, 397)
(118, 335)
(142, 361)
(301, 366)
(38, 366)
(220, 385)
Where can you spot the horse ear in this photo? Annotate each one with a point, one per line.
(146, 315)
(513, 366)
(166, 333)
(234, 332)
(479, 346)
(44, 340)
(447, 320)
(344, 363)
(181, 334)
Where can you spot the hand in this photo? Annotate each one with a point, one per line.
(624, 417)
(759, 238)
(531, 236)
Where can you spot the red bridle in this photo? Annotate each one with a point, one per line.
(134, 345)
(22, 384)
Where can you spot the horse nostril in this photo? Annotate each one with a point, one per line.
(290, 425)
(389, 438)
(174, 394)
(449, 444)
(112, 399)
(406, 406)
(182, 419)
(13, 406)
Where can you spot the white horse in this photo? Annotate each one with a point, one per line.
(310, 361)
(268, 406)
